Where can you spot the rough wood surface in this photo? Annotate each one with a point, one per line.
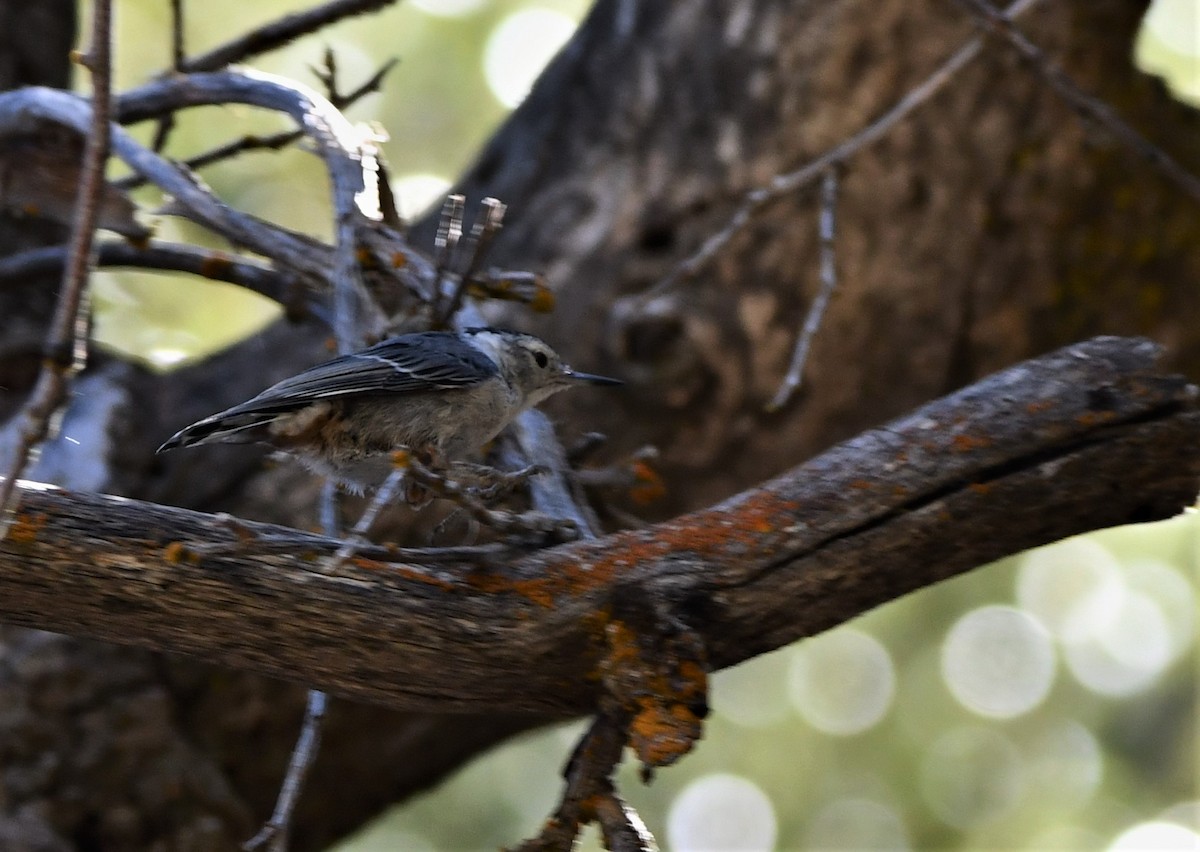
(964, 480)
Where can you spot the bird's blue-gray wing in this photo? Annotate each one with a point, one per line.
(406, 364)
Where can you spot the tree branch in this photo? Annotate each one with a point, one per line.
(1089, 436)
(335, 138)
(279, 32)
(66, 347)
(1000, 23)
(164, 256)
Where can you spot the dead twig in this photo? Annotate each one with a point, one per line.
(786, 184)
(274, 833)
(1000, 24)
(532, 526)
(167, 122)
(383, 496)
(279, 32)
(67, 340)
(590, 795)
(816, 311)
(215, 265)
(272, 142)
(487, 224)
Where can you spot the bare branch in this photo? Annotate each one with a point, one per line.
(167, 122)
(816, 311)
(336, 140)
(67, 339)
(279, 32)
(339, 144)
(178, 50)
(1089, 436)
(272, 142)
(168, 257)
(487, 224)
(275, 830)
(786, 184)
(552, 493)
(22, 107)
(1000, 24)
(590, 796)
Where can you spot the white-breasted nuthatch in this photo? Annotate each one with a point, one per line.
(443, 394)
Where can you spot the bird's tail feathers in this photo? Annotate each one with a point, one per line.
(221, 428)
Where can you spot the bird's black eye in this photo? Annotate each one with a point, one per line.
(540, 358)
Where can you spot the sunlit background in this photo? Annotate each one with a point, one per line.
(1048, 702)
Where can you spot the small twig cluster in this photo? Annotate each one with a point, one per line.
(995, 21)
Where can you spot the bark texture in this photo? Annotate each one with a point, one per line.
(1088, 436)
(988, 227)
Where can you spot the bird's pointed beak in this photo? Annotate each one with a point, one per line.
(590, 378)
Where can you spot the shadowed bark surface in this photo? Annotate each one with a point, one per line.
(988, 227)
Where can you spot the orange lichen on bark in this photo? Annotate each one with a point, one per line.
(25, 528)
(177, 553)
(746, 530)
(661, 734)
(649, 486)
(656, 678)
(541, 591)
(964, 443)
(406, 572)
(715, 536)
(543, 300)
(215, 265)
(1094, 418)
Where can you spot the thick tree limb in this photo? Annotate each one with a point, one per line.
(1086, 437)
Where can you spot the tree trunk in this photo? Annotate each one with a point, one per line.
(989, 226)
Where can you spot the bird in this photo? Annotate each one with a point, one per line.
(440, 394)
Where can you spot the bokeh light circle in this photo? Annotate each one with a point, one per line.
(1174, 595)
(971, 776)
(1186, 813)
(1065, 766)
(418, 192)
(1128, 655)
(842, 682)
(1156, 836)
(1074, 587)
(519, 48)
(754, 694)
(721, 811)
(449, 8)
(855, 824)
(998, 661)
(1165, 18)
